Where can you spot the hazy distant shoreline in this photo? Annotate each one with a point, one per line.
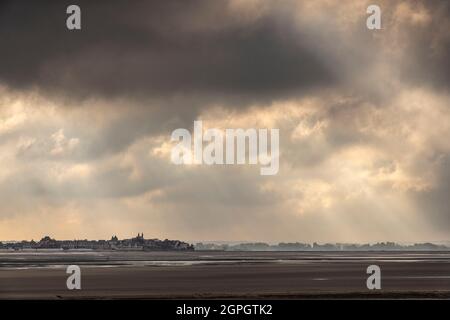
(139, 243)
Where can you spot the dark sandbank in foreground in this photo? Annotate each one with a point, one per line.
(168, 275)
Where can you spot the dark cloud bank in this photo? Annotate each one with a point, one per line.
(154, 49)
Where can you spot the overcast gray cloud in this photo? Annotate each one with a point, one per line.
(86, 117)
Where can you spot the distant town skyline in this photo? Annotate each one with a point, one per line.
(138, 243)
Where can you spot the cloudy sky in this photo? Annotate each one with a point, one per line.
(364, 117)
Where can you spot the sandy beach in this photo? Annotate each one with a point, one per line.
(147, 275)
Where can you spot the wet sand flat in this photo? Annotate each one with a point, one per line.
(223, 274)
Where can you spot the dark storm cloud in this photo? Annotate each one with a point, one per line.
(154, 49)
(428, 58)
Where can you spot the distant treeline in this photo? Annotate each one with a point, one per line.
(297, 246)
